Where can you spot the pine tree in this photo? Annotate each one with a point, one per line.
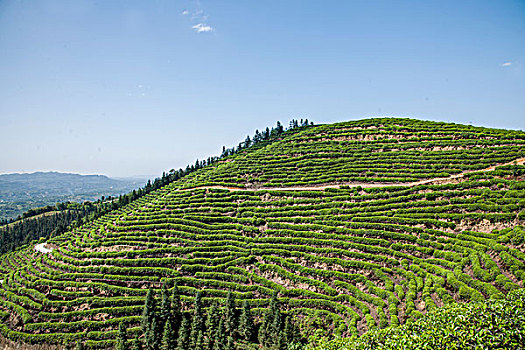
(280, 342)
(217, 345)
(265, 335)
(154, 335)
(230, 345)
(257, 137)
(277, 322)
(208, 342)
(199, 342)
(263, 327)
(230, 316)
(211, 325)
(275, 329)
(197, 324)
(122, 343)
(136, 344)
(183, 341)
(80, 345)
(164, 311)
(220, 338)
(176, 308)
(280, 128)
(247, 142)
(149, 311)
(274, 304)
(246, 326)
(169, 339)
(288, 333)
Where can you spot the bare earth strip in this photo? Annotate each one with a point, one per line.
(438, 180)
(41, 247)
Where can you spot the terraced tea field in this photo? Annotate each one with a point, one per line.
(367, 151)
(378, 246)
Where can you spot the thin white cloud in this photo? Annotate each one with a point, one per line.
(506, 64)
(198, 18)
(202, 28)
(197, 14)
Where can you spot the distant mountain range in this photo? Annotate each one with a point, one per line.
(20, 192)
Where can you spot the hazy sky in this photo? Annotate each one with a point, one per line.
(138, 87)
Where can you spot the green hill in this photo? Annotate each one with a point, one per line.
(357, 226)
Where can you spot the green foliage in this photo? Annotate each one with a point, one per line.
(122, 339)
(136, 344)
(488, 325)
(176, 307)
(183, 340)
(270, 328)
(197, 325)
(80, 345)
(165, 305)
(149, 312)
(230, 315)
(246, 324)
(211, 326)
(169, 339)
(221, 338)
(154, 335)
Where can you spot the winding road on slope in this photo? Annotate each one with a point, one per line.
(437, 180)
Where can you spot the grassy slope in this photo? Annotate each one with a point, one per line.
(344, 260)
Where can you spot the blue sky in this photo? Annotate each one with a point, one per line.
(128, 88)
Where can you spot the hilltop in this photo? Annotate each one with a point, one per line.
(356, 226)
(20, 192)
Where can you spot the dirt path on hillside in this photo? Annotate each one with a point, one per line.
(437, 180)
